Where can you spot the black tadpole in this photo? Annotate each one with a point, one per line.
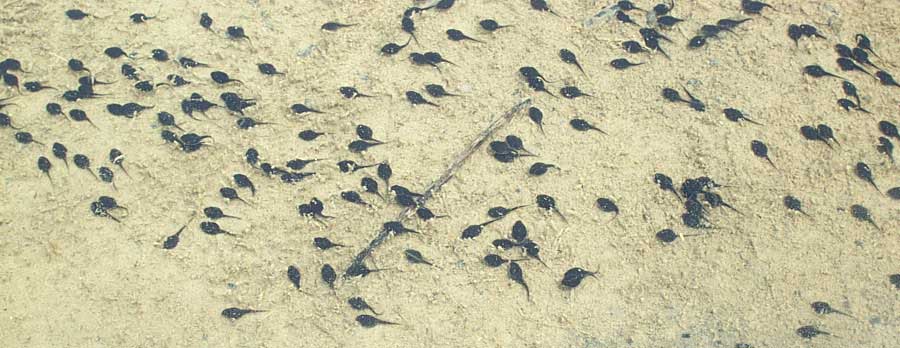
(438, 91)
(368, 321)
(76, 14)
(665, 183)
(821, 307)
(358, 303)
(335, 26)
(309, 135)
(328, 275)
(549, 203)
(515, 273)
(583, 125)
(323, 243)
(494, 260)
(500, 212)
(235, 313)
(230, 193)
(359, 270)
(817, 72)
(473, 231)
(573, 277)
(569, 57)
(44, 165)
(237, 33)
(393, 48)
(622, 64)
(491, 25)
(808, 332)
(864, 172)
(760, 149)
(415, 257)
(792, 203)
(456, 35)
(666, 235)
(172, 241)
(206, 21)
(607, 205)
(861, 213)
(735, 115)
(212, 228)
(537, 116)
(294, 276)
(216, 213)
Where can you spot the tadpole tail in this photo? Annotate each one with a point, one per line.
(490, 221)
(876, 225)
(541, 261)
(560, 215)
(518, 207)
(527, 292)
(873, 52)
(876, 187)
(664, 53)
(677, 195)
(125, 171)
(845, 314)
(113, 218)
(753, 122)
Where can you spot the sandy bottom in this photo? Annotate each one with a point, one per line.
(71, 279)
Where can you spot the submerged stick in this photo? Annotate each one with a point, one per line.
(448, 174)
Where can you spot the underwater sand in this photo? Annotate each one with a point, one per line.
(70, 279)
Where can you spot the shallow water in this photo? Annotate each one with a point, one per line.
(72, 279)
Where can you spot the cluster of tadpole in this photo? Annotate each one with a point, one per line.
(509, 149)
(105, 206)
(696, 191)
(291, 174)
(518, 238)
(196, 102)
(188, 142)
(85, 89)
(365, 141)
(712, 31)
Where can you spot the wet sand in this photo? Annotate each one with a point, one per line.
(70, 279)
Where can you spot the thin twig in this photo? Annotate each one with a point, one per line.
(435, 186)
